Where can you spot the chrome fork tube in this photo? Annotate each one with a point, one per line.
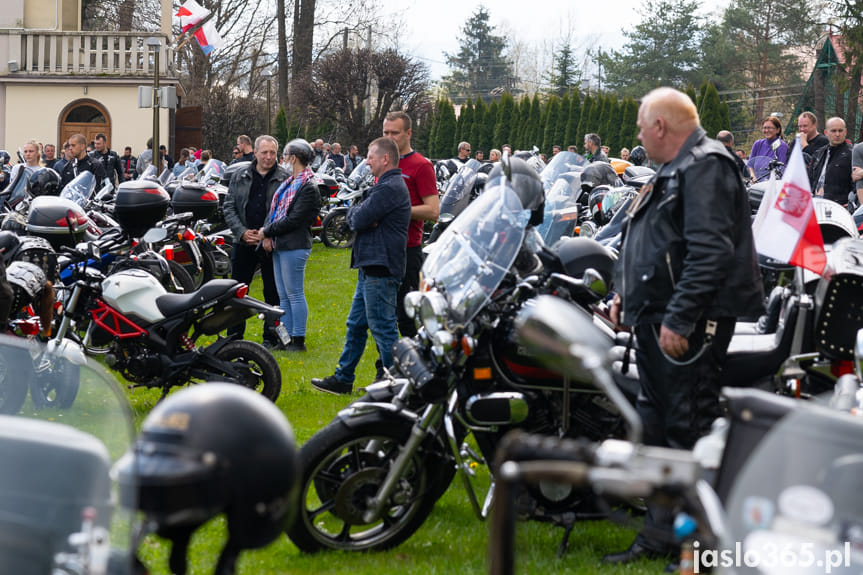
(67, 317)
(431, 416)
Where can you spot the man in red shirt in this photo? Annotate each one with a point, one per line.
(419, 176)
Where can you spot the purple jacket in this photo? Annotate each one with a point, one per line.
(762, 148)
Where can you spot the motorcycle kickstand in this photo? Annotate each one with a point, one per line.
(564, 543)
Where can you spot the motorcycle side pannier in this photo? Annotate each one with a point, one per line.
(140, 205)
(50, 217)
(196, 198)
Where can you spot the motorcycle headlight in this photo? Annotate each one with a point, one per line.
(433, 308)
(412, 303)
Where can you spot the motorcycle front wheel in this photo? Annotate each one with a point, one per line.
(343, 468)
(254, 367)
(55, 386)
(332, 235)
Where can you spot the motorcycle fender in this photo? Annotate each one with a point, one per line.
(381, 413)
(216, 346)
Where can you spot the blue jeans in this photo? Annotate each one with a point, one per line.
(289, 267)
(372, 309)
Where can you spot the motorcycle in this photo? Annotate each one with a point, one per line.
(372, 476)
(731, 503)
(150, 336)
(57, 502)
(462, 188)
(335, 210)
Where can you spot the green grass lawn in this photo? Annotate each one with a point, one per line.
(452, 540)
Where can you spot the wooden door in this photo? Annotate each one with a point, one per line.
(85, 117)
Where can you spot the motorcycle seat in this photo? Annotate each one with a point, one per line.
(172, 304)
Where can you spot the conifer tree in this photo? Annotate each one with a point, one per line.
(570, 136)
(550, 124)
(505, 115)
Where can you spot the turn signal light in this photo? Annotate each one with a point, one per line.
(482, 373)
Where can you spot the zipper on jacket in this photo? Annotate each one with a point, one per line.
(670, 271)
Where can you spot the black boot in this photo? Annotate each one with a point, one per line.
(298, 343)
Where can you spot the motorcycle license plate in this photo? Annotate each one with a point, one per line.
(282, 332)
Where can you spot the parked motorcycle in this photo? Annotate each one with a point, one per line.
(372, 476)
(334, 233)
(150, 336)
(740, 494)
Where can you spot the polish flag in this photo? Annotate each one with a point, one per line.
(785, 227)
(208, 38)
(191, 13)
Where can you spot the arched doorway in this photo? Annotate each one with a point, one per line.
(85, 117)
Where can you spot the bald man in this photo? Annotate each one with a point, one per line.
(830, 173)
(687, 269)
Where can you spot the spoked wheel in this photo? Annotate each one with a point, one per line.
(332, 234)
(182, 279)
(254, 367)
(55, 385)
(16, 369)
(344, 467)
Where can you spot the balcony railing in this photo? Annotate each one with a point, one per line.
(88, 53)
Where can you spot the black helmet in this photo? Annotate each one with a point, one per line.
(301, 149)
(9, 243)
(45, 182)
(598, 174)
(527, 185)
(578, 254)
(190, 464)
(4, 157)
(594, 203)
(638, 155)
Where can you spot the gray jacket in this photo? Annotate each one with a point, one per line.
(238, 197)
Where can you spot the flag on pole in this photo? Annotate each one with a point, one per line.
(191, 13)
(785, 227)
(208, 38)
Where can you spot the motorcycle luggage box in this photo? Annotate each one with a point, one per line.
(50, 218)
(51, 472)
(196, 198)
(839, 302)
(140, 205)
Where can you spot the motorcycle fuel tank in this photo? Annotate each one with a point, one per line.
(134, 292)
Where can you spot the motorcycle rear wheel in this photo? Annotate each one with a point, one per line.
(257, 368)
(207, 272)
(343, 467)
(331, 234)
(181, 277)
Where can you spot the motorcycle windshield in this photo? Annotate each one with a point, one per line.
(561, 212)
(18, 184)
(212, 171)
(359, 175)
(615, 226)
(475, 252)
(80, 189)
(458, 191)
(761, 166)
(560, 164)
(149, 173)
(64, 423)
(799, 494)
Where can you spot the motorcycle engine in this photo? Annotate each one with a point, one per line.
(136, 363)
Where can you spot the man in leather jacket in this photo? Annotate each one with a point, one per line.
(830, 168)
(250, 194)
(109, 159)
(687, 269)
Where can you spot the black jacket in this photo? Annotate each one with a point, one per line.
(86, 164)
(111, 163)
(381, 224)
(238, 197)
(688, 251)
(837, 179)
(293, 232)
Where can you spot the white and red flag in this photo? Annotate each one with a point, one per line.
(785, 227)
(208, 38)
(191, 13)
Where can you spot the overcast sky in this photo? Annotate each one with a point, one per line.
(434, 26)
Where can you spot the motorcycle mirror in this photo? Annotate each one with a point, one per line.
(594, 282)
(155, 235)
(446, 218)
(564, 337)
(776, 144)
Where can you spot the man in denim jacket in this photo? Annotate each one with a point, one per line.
(380, 222)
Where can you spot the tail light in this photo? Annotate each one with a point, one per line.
(841, 367)
(242, 291)
(188, 235)
(169, 252)
(29, 326)
(219, 241)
